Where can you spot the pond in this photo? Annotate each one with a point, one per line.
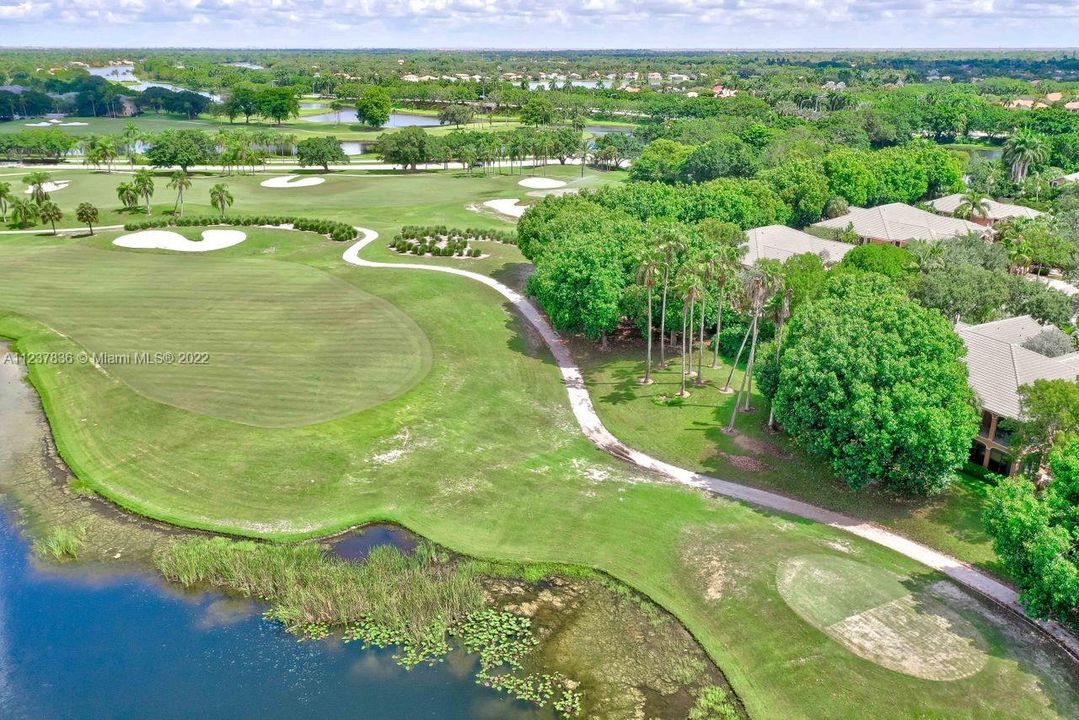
(83, 641)
(126, 74)
(397, 120)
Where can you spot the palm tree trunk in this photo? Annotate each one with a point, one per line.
(719, 328)
(737, 358)
(700, 346)
(687, 340)
(747, 379)
(742, 387)
(663, 320)
(648, 354)
(682, 387)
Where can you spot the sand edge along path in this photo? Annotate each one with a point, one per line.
(594, 429)
(168, 240)
(541, 183)
(290, 181)
(50, 187)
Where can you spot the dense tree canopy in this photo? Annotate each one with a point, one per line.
(875, 383)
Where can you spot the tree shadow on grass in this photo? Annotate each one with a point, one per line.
(515, 275)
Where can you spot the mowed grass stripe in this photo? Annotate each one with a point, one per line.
(286, 345)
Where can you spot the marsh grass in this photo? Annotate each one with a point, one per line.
(415, 602)
(61, 543)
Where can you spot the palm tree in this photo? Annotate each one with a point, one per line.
(131, 136)
(1024, 149)
(973, 204)
(647, 274)
(144, 186)
(725, 262)
(760, 285)
(127, 194)
(23, 212)
(50, 212)
(106, 147)
(179, 182)
(220, 197)
(87, 213)
(5, 198)
(671, 244)
(37, 181)
(337, 106)
(928, 254)
(781, 310)
(690, 286)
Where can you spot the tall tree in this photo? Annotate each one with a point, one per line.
(1023, 150)
(220, 198)
(86, 213)
(5, 199)
(24, 213)
(144, 186)
(649, 268)
(50, 212)
(672, 243)
(127, 194)
(972, 205)
(38, 181)
(374, 106)
(180, 181)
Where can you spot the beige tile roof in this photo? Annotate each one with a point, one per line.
(900, 222)
(995, 210)
(998, 365)
(779, 242)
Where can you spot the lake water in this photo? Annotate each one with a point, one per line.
(83, 642)
(397, 120)
(126, 74)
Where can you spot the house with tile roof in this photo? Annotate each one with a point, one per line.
(994, 210)
(998, 365)
(898, 224)
(779, 242)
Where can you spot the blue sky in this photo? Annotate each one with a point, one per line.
(541, 23)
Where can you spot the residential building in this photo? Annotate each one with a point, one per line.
(994, 211)
(1072, 177)
(897, 224)
(998, 366)
(779, 242)
(723, 92)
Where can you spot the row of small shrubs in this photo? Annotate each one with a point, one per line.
(443, 232)
(341, 232)
(439, 248)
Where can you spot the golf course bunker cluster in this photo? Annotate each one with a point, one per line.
(168, 240)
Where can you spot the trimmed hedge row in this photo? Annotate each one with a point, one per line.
(442, 232)
(455, 246)
(341, 232)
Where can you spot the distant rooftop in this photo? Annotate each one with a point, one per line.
(994, 210)
(998, 365)
(779, 242)
(897, 222)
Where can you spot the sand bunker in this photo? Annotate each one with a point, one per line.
(38, 124)
(168, 240)
(289, 181)
(870, 612)
(507, 206)
(50, 187)
(539, 183)
(74, 124)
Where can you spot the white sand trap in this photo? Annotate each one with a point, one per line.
(38, 124)
(74, 124)
(289, 181)
(168, 240)
(50, 187)
(507, 206)
(540, 183)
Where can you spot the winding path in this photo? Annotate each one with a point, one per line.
(594, 429)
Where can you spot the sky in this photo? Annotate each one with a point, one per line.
(527, 24)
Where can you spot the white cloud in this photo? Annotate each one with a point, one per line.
(554, 23)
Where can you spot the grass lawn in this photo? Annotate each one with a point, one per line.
(691, 435)
(383, 201)
(482, 455)
(300, 127)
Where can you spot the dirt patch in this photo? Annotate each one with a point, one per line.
(747, 463)
(871, 613)
(716, 565)
(632, 660)
(761, 447)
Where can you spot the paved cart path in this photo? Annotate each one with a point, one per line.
(594, 429)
